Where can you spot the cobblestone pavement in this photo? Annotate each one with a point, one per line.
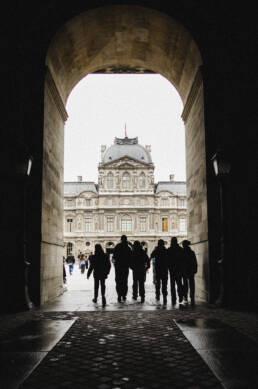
(129, 345)
(123, 350)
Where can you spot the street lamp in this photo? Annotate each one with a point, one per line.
(222, 168)
(220, 164)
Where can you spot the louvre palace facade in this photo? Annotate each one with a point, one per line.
(126, 200)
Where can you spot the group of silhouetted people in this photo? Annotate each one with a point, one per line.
(178, 262)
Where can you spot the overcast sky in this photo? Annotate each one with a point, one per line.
(100, 105)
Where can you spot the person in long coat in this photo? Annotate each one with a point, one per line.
(190, 269)
(122, 257)
(175, 267)
(100, 265)
(140, 262)
(161, 270)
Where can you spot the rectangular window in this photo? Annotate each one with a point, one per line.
(181, 203)
(164, 224)
(143, 224)
(88, 202)
(110, 224)
(164, 202)
(69, 223)
(126, 225)
(182, 225)
(88, 225)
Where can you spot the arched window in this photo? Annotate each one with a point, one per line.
(126, 181)
(142, 180)
(69, 248)
(126, 224)
(110, 181)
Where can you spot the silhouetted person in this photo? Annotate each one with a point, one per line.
(122, 256)
(100, 265)
(190, 269)
(161, 270)
(140, 262)
(70, 260)
(175, 267)
(64, 271)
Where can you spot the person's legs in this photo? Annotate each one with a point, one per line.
(118, 285)
(185, 287)
(96, 289)
(125, 283)
(180, 288)
(157, 287)
(135, 285)
(192, 289)
(142, 288)
(172, 287)
(164, 289)
(103, 290)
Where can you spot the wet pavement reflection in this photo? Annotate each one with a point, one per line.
(25, 347)
(231, 356)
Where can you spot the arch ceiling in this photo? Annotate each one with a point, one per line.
(118, 38)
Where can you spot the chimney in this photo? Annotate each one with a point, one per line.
(148, 148)
(79, 178)
(171, 177)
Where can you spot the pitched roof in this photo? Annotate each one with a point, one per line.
(175, 187)
(75, 188)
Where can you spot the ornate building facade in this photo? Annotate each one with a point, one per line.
(126, 200)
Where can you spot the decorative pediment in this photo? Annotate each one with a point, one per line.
(126, 163)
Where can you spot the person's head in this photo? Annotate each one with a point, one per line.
(137, 245)
(186, 243)
(98, 249)
(123, 238)
(173, 240)
(161, 243)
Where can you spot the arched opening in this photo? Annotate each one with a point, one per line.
(115, 38)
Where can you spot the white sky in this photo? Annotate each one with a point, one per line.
(100, 105)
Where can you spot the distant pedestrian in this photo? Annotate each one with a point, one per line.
(175, 267)
(190, 269)
(82, 263)
(70, 260)
(64, 271)
(122, 257)
(100, 265)
(161, 270)
(140, 262)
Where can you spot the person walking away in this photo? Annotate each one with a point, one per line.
(64, 271)
(122, 257)
(175, 267)
(82, 263)
(190, 269)
(139, 264)
(161, 270)
(100, 265)
(70, 260)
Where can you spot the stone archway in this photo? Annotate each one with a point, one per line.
(121, 38)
